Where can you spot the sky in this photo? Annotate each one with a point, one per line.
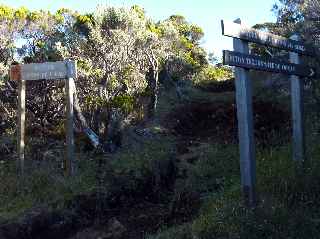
(205, 13)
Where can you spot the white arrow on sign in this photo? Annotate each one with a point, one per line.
(312, 72)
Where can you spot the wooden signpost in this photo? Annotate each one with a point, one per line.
(235, 30)
(45, 71)
(245, 127)
(264, 64)
(243, 61)
(297, 111)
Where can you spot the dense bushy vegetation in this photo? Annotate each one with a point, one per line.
(120, 53)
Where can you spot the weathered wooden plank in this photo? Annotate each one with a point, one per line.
(15, 72)
(245, 128)
(70, 165)
(39, 71)
(252, 35)
(266, 64)
(21, 124)
(297, 112)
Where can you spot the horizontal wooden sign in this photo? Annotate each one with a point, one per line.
(232, 58)
(43, 71)
(249, 34)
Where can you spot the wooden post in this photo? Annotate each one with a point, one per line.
(69, 163)
(297, 111)
(245, 126)
(21, 123)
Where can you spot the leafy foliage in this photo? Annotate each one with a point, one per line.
(212, 74)
(120, 52)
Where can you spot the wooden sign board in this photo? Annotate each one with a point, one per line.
(45, 71)
(39, 71)
(265, 64)
(252, 35)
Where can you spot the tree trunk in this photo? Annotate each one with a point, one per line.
(113, 132)
(154, 88)
(94, 139)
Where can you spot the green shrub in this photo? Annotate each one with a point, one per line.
(123, 102)
(179, 232)
(212, 73)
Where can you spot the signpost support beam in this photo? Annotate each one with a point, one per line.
(69, 163)
(297, 111)
(245, 127)
(49, 71)
(21, 123)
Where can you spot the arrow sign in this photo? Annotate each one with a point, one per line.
(231, 29)
(312, 72)
(232, 58)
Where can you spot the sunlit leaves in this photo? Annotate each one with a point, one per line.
(139, 10)
(21, 13)
(33, 16)
(6, 12)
